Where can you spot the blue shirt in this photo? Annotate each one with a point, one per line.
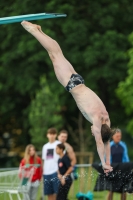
(119, 152)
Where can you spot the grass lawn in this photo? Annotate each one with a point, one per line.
(85, 183)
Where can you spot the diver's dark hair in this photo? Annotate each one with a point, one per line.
(106, 133)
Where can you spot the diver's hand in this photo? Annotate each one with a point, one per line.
(107, 168)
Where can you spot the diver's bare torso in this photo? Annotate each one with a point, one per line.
(90, 104)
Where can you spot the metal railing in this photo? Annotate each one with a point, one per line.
(83, 173)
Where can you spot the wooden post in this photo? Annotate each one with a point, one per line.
(90, 171)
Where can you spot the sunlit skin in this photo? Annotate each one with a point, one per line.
(87, 101)
(59, 152)
(63, 139)
(117, 137)
(51, 137)
(32, 151)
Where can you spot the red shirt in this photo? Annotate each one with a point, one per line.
(37, 167)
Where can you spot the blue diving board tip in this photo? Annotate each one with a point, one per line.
(29, 17)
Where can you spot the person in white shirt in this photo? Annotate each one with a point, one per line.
(50, 166)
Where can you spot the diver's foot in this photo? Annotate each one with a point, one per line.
(31, 28)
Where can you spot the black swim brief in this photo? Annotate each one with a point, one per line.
(75, 80)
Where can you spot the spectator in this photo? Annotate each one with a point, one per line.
(119, 154)
(62, 137)
(30, 161)
(50, 166)
(64, 171)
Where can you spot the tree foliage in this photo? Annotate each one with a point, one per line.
(125, 91)
(44, 113)
(93, 37)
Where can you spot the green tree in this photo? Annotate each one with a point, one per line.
(45, 112)
(93, 37)
(125, 91)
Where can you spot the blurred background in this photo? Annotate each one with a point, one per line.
(97, 38)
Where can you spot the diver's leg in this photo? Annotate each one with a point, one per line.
(63, 69)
